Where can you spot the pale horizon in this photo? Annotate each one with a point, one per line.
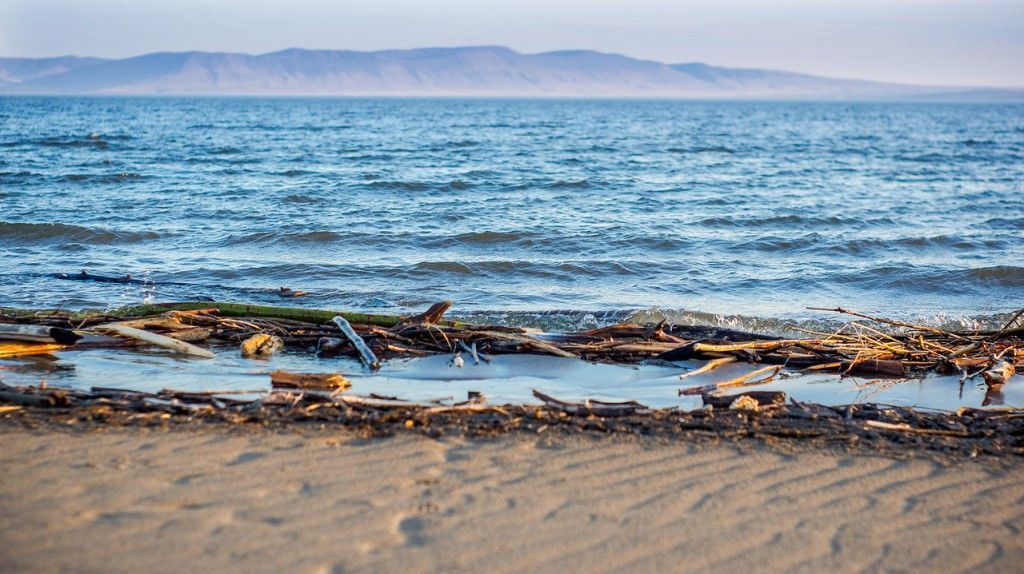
(940, 43)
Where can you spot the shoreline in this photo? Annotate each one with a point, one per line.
(329, 501)
(862, 429)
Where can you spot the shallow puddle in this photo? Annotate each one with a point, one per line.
(506, 379)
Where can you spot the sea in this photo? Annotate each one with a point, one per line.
(556, 214)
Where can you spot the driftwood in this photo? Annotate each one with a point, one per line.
(158, 340)
(591, 407)
(763, 398)
(870, 346)
(319, 381)
(365, 353)
(38, 334)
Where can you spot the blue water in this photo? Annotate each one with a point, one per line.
(693, 210)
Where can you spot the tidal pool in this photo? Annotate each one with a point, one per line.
(506, 379)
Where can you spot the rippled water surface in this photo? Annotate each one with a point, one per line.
(754, 209)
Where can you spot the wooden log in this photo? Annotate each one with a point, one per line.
(365, 354)
(318, 381)
(158, 340)
(763, 398)
(38, 334)
(315, 316)
(590, 407)
(28, 400)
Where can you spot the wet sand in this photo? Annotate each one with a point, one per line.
(159, 501)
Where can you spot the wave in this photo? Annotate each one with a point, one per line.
(93, 140)
(121, 177)
(701, 149)
(394, 185)
(569, 184)
(46, 233)
(804, 324)
(300, 238)
(794, 220)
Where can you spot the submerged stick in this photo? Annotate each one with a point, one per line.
(158, 340)
(709, 366)
(365, 353)
(740, 381)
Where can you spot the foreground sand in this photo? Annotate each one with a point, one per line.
(159, 501)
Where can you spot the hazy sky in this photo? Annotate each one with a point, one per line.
(963, 42)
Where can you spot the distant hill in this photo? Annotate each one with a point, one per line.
(469, 71)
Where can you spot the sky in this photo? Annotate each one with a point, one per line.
(940, 42)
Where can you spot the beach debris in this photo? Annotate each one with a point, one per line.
(288, 293)
(318, 381)
(591, 406)
(431, 316)
(999, 373)
(763, 398)
(887, 351)
(261, 345)
(37, 333)
(746, 380)
(155, 339)
(365, 354)
(477, 356)
(191, 335)
(708, 367)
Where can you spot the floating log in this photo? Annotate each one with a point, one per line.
(83, 276)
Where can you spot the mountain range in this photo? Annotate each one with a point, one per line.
(484, 71)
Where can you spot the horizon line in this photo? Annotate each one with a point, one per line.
(515, 51)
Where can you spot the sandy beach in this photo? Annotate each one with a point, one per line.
(159, 501)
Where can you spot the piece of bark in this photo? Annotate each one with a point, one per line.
(316, 381)
(429, 317)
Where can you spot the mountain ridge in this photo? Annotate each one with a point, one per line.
(489, 71)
